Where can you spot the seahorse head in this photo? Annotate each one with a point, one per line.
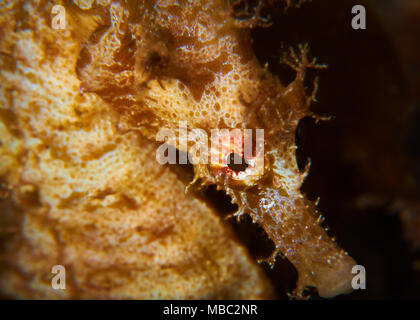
(236, 158)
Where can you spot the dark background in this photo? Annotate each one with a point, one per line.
(365, 160)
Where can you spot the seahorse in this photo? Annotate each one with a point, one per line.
(291, 221)
(194, 63)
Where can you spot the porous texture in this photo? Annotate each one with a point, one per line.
(87, 104)
(193, 63)
(85, 194)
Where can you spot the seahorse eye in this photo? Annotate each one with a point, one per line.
(236, 162)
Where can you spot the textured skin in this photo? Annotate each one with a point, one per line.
(143, 66)
(80, 192)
